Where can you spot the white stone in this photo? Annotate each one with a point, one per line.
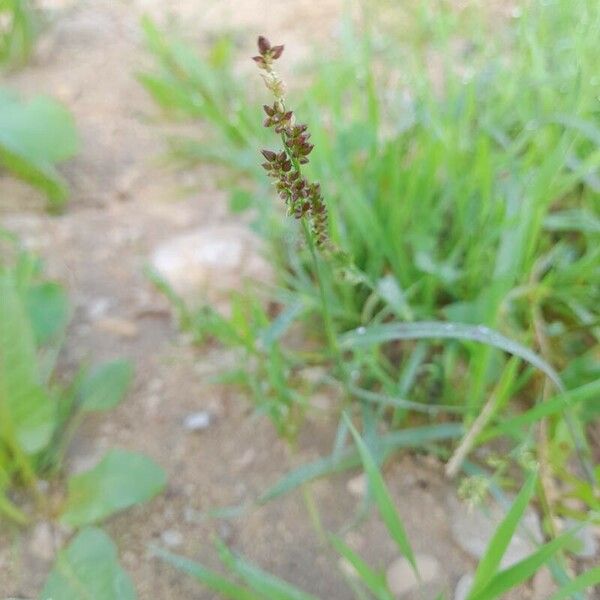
(401, 578)
(543, 585)
(357, 486)
(472, 529)
(82, 462)
(205, 265)
(172, 538)
(197, 421)
(42, 541)
(463, 587)
(345, 567)
(99, 307)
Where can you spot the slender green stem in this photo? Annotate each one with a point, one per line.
(327, 318)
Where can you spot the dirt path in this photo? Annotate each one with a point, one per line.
(123, 205)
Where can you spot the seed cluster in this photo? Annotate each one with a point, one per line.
(303, 198)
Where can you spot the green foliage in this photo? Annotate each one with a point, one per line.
(384, 501)
(88, 568)
(104, 387)
(460, 166)
(35, 137)
(17, 32)
(121, 479)
(244, 581)
(461, 179)
(490, 561)
(39, 415)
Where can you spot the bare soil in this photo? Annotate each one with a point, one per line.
(124, 203)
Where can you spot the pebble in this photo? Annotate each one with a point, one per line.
(171, 538)
(82, 462)
(346, 568)
(401, 578)
(198, 421)
(208, 263)
(543, 585)
(99, 307)
(357, 486)
(472, 529)
(42, 541)
(463, 587)
(117, 326)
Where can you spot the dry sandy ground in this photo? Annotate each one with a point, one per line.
(124, 204)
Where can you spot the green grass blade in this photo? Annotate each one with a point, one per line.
(384, 501)
(490, 561)
(264, 583)
(378, 334)
(212, 580)
(373, 580)
(88, 569)
(557, 404)
(584, 581)
(523, 570)
(343, 460)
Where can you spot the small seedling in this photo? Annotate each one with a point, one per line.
(39, 415)
(35, 137)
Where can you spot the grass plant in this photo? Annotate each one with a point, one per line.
(458, 308)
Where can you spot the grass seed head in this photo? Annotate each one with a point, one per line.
(302, 197)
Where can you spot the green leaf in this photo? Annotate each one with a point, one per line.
(584, 581)
(262, 582)
(573, 220)
(41, 129)
(378, 334)
(556, 404)
(523, 570)
(35, 136)
(48, 309)
(212, 580)
(373, 580)
(119, 481)
(88, 569)
(17, 35)
(342, 461)
(490, 561)
(105, 386)
(383, 499)
(27, 413)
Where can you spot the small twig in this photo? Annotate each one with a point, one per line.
(469, 439)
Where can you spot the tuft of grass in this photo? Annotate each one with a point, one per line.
(460, 170)
(244, 581)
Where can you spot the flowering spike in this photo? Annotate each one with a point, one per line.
(276, 51)
(269, 155)
(302, 198)
(263, 44)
